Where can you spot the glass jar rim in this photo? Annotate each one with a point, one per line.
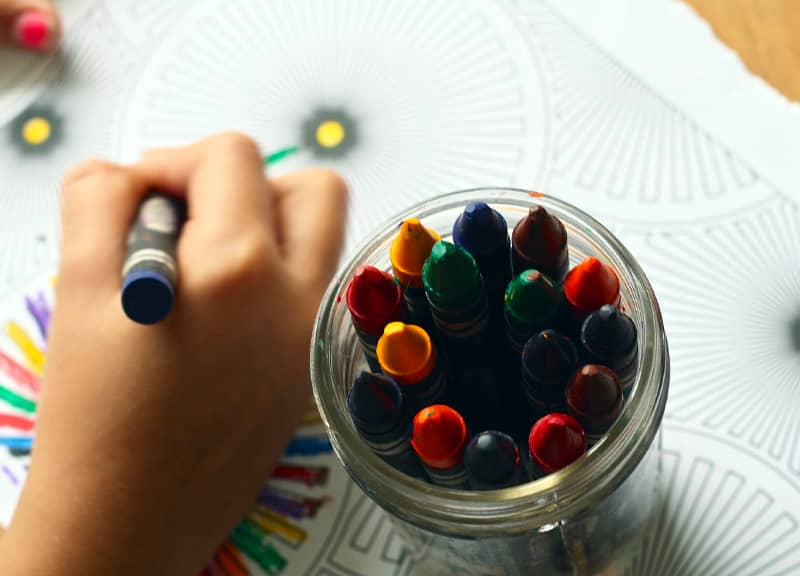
(534, 504)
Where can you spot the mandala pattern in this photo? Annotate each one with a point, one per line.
(69, 122)
(728, 292)
(444, 94)
(407, 100)
(724, 513)
(620, 150)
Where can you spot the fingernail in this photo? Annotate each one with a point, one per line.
(34, 30)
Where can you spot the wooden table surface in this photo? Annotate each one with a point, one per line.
(761, 32)
(764, 33)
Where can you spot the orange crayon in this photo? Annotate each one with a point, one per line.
(410, 248)
(407, 354)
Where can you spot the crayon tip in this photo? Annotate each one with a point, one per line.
(405, 352)
(540, 241)
(531, 296)
(375, 401)
(609, 333)
(550, 358)
(409, 250)
(491, 458)
(147, 296)
(439, 436)
(555, 441)
(451, 276)
(373, 299)
(480, 228)
(594, 398)
(590, 285)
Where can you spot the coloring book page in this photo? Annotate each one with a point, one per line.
(408, 100)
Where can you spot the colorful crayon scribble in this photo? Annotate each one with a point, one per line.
(308, 446)
(19, 373)
(39, 309)
(275, 521)
(33, 354)
(10, 475)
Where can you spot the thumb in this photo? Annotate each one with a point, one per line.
(29, 24)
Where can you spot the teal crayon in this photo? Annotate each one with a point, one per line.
(459, 306)
(532, 304)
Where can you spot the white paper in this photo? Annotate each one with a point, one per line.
(629, 109)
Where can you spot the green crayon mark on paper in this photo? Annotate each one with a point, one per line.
(16, 400)
(279, 155)
(250, 540)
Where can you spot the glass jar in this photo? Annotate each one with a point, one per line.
(584, 519)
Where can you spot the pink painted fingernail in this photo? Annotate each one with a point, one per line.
(33, 30)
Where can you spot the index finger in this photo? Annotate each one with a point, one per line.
(222, 178)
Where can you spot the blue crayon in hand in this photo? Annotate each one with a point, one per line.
(493, 461)
(549, 359)
(483, 232)
(150, 271)
(376, 405)
(608, 337)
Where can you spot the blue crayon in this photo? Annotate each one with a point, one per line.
(483, 232)
(493, 461)
(377, 407)
(549, 359)
(150, 271)
(308, 446)
(608, 337)
(16, 443)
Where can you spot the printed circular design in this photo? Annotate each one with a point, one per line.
(728, 292)
(440, 94)
(621, 151)
(70, 121)
(143, 22)
(724, 511)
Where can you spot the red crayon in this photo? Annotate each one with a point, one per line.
(309, 475)
(440, 435)
(555, 441)
(594, 398)
(539, 241)
(374, 299)
(589, 286)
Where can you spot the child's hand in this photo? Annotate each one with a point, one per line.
(29, 24)
(152, 441)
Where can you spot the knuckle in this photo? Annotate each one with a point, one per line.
(332, 183)
(239, 267)
(84, 169)
(236, 143)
